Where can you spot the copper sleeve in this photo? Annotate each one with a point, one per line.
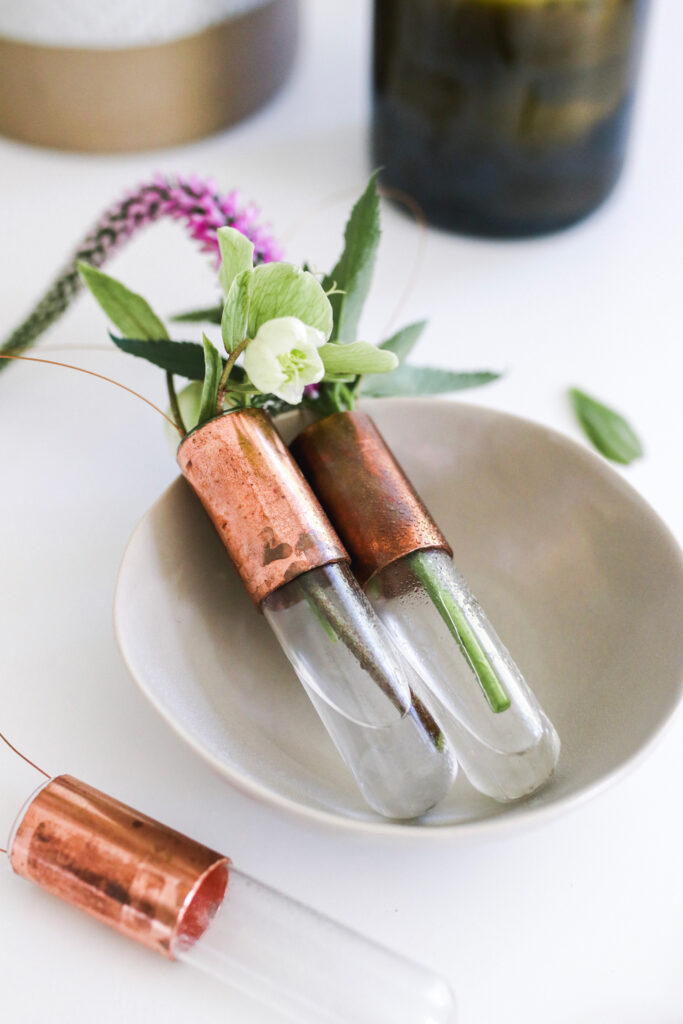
(371, 502)
(266, 515)
(138, 876)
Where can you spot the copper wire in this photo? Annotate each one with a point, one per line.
(100, 376)
(28, 761)
(413, 207)
(109, 380)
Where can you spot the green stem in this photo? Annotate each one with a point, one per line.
(320, 598)
(227, 370)
(173, 402)
(320, 616)
(461, 631)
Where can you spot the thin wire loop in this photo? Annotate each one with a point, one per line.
(28, 761)
(414, 208)
(100, 376)
(386, 192)
(24, 757)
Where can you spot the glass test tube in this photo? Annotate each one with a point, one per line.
(294, 566)
(187, 902)
(504, 742)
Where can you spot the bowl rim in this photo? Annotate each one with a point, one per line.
(502, 823)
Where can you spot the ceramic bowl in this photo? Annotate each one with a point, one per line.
(581, 579)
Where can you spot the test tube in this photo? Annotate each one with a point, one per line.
(502, 738)
(296, 570)
(188, 903)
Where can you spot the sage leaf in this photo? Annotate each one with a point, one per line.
(607, 430)
(213, 367)
(356, 357)
(127, 310)
(281, 289)
(185, 358)
(208, 315)
(403, 342)
(235, 310)
(237, 255)
(423, 380)
(353, 272)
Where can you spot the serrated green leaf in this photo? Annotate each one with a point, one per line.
(608, 431)
(186, 358)
(355, 358)
(237, 255)
(127, 310)
(423, 380)
(403, 342)
(236, 309)
(213, 367)
(208, 315)
(281, 289)
(353, 272)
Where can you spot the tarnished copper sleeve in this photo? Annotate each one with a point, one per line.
(265, 513)
(371, 502)
(143, 879)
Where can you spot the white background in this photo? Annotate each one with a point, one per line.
(580, 920)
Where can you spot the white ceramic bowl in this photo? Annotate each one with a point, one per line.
(582, 580)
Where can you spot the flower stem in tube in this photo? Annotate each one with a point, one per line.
(461, 631)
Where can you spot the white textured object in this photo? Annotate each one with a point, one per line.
(113, 25)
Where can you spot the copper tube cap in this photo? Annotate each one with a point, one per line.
(138, 876)
(269, 520)
(371, 502)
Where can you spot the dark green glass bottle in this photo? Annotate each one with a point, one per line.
(504, 118)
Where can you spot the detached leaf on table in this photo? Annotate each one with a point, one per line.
(423, 380)
(608, 431)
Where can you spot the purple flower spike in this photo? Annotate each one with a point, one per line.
(193, 200)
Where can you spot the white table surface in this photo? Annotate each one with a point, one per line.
(580, 920)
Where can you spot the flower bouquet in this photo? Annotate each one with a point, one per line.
(331, 541)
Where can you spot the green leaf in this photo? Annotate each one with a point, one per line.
(129, 312)
(237, 254)
(356, 357)
(208, 315)
(606, 429)
(423, 380)
(403, 342)
(281, 289)
(353, 272)
(186, 358)
(236, 309)
(212, 375)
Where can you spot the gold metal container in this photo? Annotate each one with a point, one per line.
(369, 499)
(111, 99)
(266, 515)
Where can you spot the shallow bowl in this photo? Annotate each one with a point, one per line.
(582, 580)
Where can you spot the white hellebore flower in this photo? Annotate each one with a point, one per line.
(282, 358)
